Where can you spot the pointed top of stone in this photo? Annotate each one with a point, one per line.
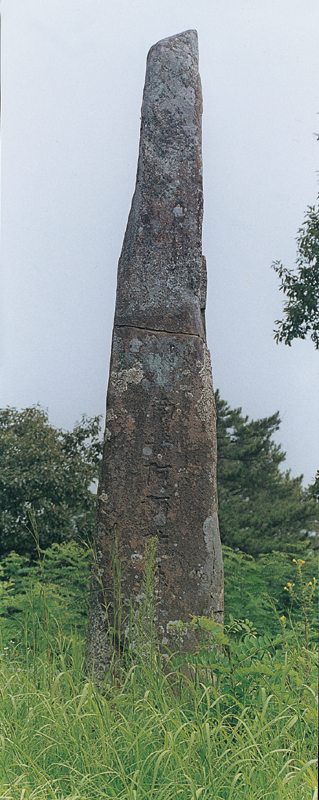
(185, 39)
(161, 274)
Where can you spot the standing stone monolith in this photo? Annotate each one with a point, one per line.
(159, 461)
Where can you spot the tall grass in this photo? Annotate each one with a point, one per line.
(235, 720)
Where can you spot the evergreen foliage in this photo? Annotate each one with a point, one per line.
(260, 508)
(46, 472)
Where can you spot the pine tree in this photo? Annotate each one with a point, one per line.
(260, 508)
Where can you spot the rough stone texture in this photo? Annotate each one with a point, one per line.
(159, 462)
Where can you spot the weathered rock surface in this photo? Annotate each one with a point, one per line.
(159, 462)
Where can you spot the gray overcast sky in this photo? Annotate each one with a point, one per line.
(72, 82)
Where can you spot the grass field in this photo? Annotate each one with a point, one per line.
(238, 719)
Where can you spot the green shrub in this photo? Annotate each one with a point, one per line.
(256, 588)
(39, 599)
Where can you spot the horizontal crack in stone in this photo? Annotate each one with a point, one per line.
(159, 330)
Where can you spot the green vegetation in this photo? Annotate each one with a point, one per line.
(46, 474)
(261, 509)
(237, 718)
(49, 472)
(301, 286)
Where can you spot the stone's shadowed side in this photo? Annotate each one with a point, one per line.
(159, 462)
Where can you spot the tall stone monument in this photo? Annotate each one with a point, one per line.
(159, 461)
